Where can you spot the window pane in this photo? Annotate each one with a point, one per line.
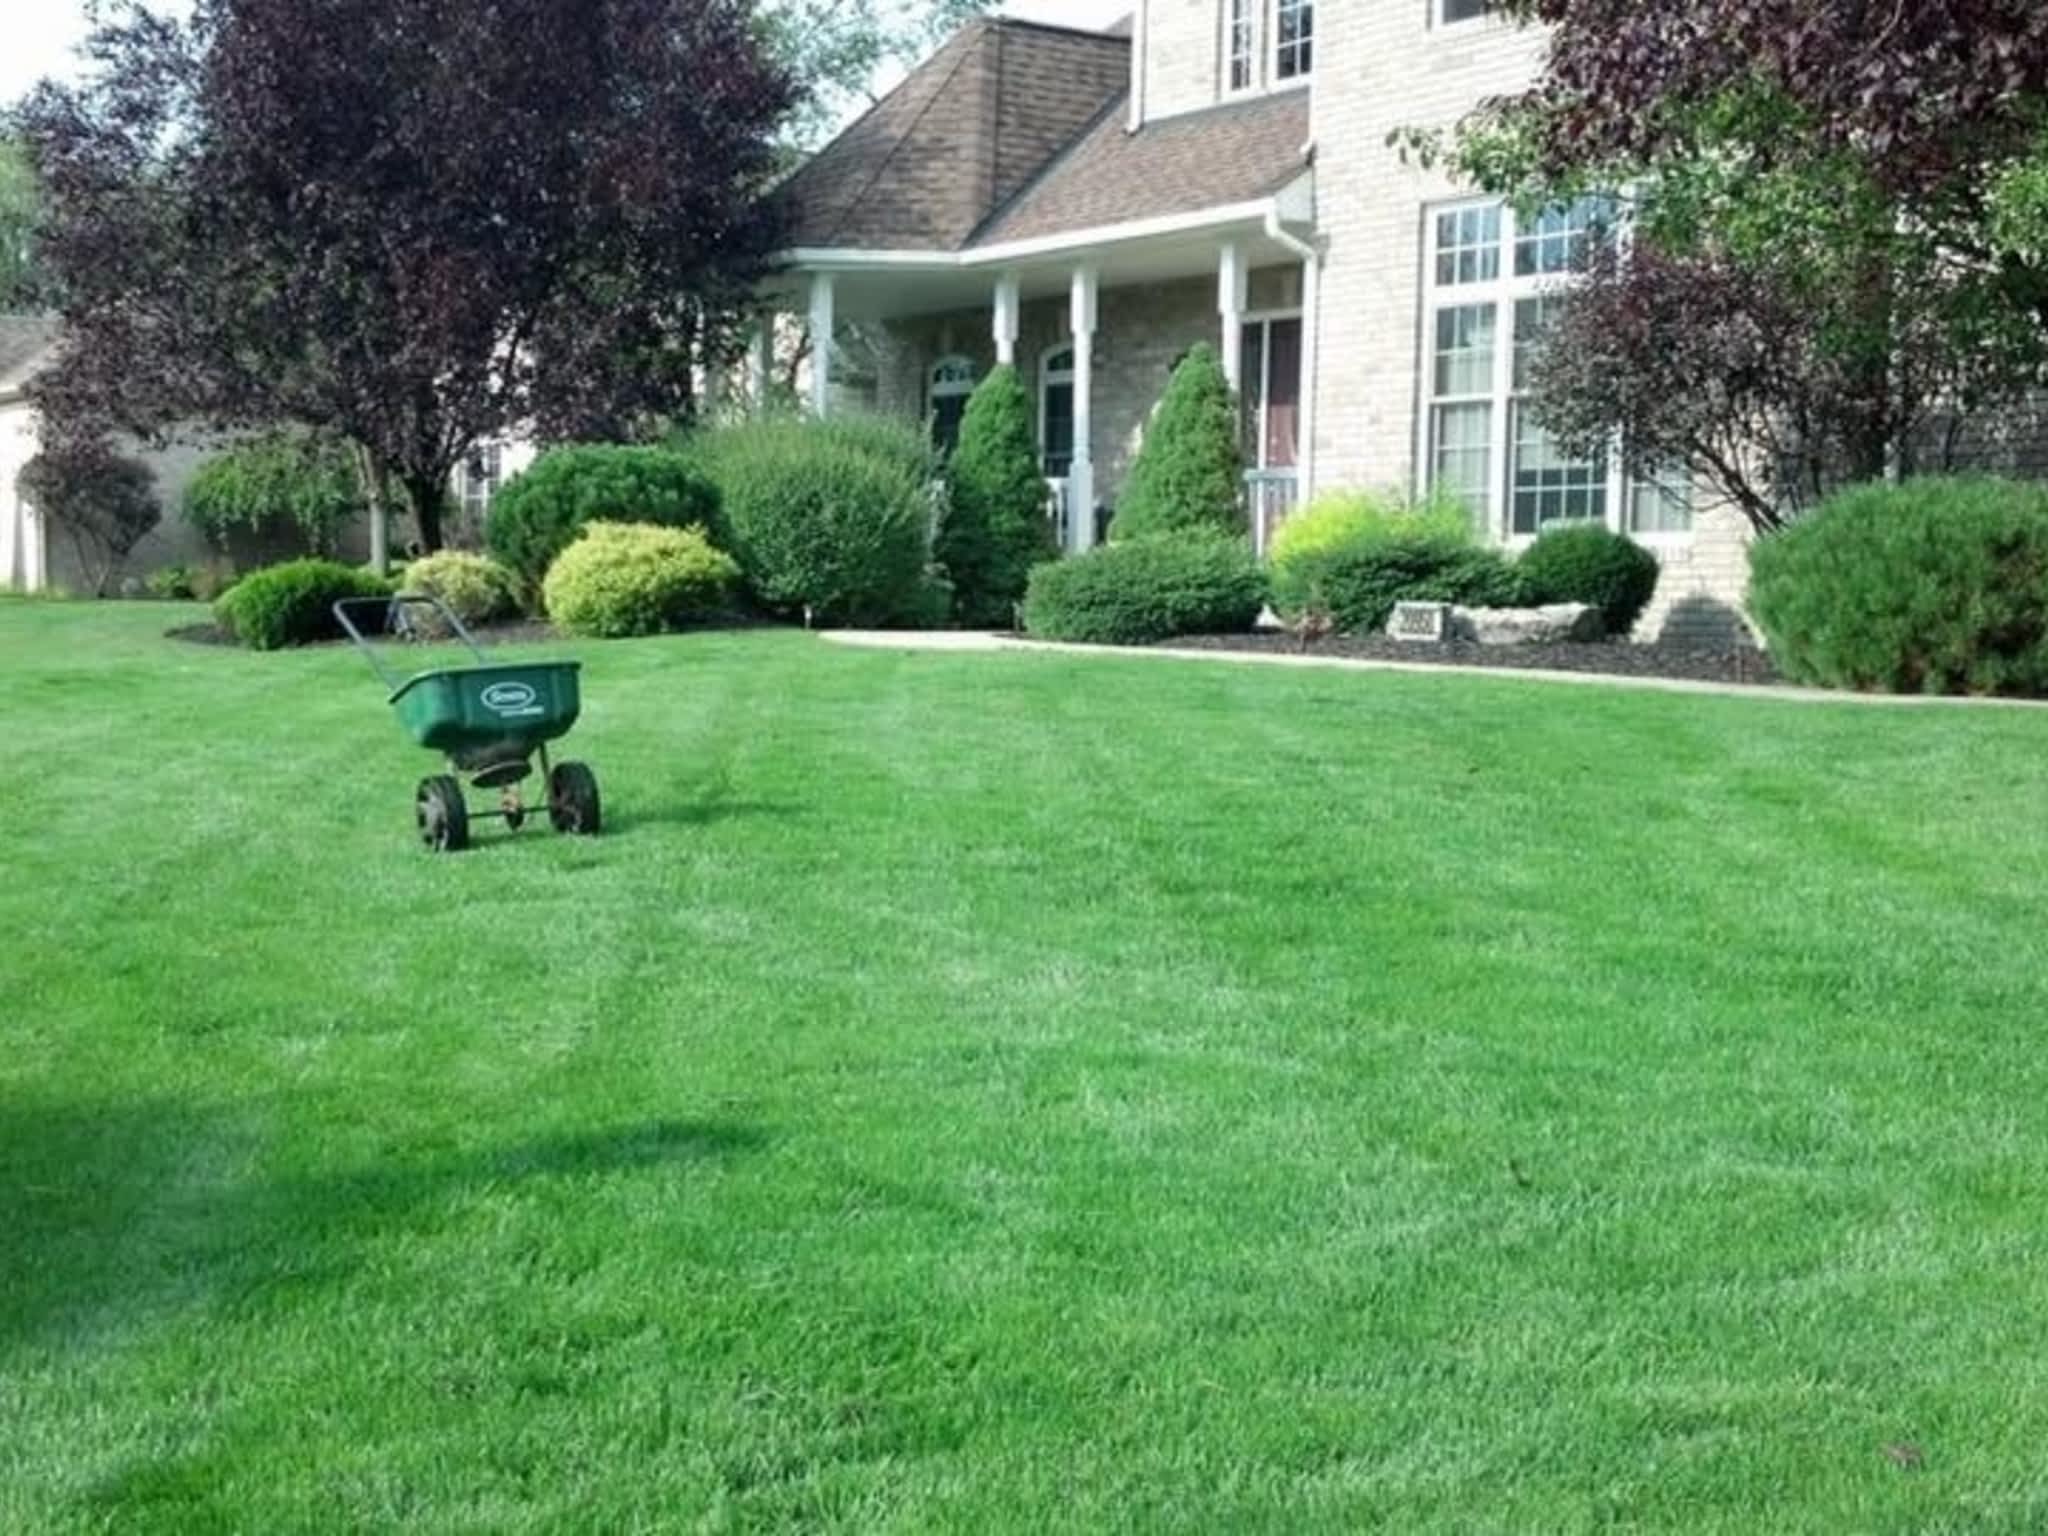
(1561, 240)
(1464, 350)
(1533, 319)
(1059, 429)
(1465, 10)
(1461, 453)
(1295, 23)
(1468, 245)
(1282, 444)
(1660, 503)
(1240, 44)
(1549, 487)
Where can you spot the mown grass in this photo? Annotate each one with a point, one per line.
(1016, 1093)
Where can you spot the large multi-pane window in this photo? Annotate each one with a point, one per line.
(1495, 283)
(1294, 31)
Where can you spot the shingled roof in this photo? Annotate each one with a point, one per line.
(961, 137)
(1229, 154)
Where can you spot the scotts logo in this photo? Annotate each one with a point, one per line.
(509, 698)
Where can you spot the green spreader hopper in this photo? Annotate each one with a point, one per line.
(491, 723)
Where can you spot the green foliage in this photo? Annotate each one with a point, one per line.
(103, 502)
(622, 579)
(1143, 590)
(831, 519)
(289, 489)
(1931, 586)
(476, 588)
(1357, 585)
(1340, 521)
(293, 603)
(1592, 564)
(182, 583)
(1190, 472)
(996, 529)
(538, 514)
(21, 283)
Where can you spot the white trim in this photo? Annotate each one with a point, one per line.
(824, 330)
(1140, 62)
(1083, 313)
(834, 258)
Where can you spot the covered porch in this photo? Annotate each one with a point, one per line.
(1095, 327)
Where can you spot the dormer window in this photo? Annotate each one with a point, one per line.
(1295, 33)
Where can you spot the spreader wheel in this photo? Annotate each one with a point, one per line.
(442, 814)
(572, 800)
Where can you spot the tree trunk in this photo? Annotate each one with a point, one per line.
(376, 484)
(429, 496)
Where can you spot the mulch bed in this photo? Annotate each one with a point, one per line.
(1742, 665)
(525, 632)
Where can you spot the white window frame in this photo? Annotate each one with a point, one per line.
(1300, 76)
(1047, 377)
(1502, 293)
(1255, 16)
(953, 377)
(1439, 23)
(1264, 320)
(474, 492)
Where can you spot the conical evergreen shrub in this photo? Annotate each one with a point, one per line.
(1190, 473)
(997, 528)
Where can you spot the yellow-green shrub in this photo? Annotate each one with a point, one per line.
(623, 579)
(476, 588)
(1319, 546)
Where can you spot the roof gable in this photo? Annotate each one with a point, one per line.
(964, 134)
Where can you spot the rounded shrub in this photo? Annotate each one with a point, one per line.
(1339, 522)
(1356, 585)
(288, 491)
(1931, 586)
(476, 589)
(538, 514)
(293, 603)
(1143, 590)
(623, 579)
(1190, 472)
(1587, 563)
(830, 520)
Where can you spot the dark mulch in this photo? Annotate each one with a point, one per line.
(1702, 664)
(523, 632)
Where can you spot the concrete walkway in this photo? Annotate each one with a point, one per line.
(963, 642)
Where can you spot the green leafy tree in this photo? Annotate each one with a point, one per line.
(20, 203)
(997, 529)
(1190, 473)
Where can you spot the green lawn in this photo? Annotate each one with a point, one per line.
(1017, 1093)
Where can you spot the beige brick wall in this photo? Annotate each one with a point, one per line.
(1183, 41)
(1383, 67)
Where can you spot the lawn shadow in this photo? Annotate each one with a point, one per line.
(120, 1215)
(705, 802)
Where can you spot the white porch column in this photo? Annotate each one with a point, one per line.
(1081, 475)
(760, 363)
(824, 322)
(1008, 319)
(1233, 294)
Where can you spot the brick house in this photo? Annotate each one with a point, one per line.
(1087, 206)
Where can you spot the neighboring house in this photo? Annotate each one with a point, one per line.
(1089, 206)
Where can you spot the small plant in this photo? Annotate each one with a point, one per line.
(103, 502)
(831, 521)
(1144, 590)
(289, 492)
(1591, 564)
(1190, 472)
(176, 583)
(476, 589)
(624, 579)
(1356, 586)
(537, 515)
(293, 604)
(996, 528)
(1933, 586)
